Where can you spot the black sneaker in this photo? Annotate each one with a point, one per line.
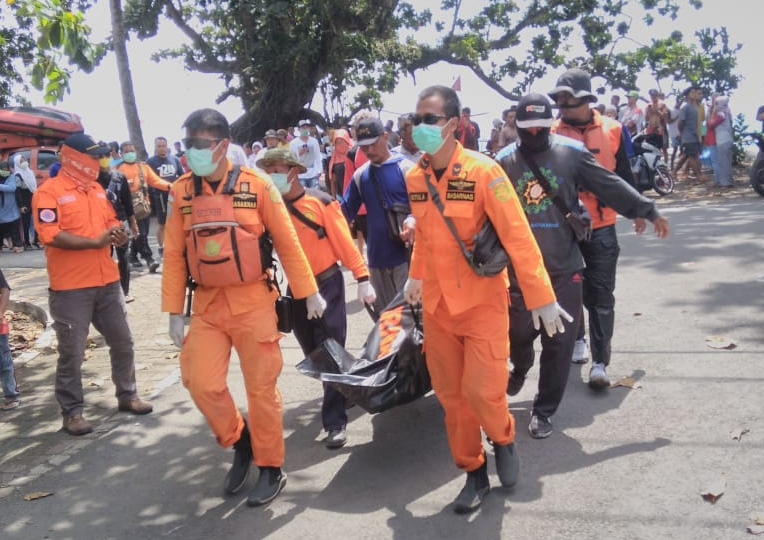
(474, 491)
(135, 262)
(153, 265)
(242, 460)
(516, 382)
(540, 427)
(269, 484)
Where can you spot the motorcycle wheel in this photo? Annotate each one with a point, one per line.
(664, 180)
(757, 177)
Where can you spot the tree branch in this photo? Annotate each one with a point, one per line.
(211, 63)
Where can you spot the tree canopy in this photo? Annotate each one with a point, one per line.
(276, 55)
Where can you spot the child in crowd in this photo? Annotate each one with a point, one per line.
(7, 375)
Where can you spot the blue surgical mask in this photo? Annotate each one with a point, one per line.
(200, 161)
(281, 182)
(129, 157)
(428, 138)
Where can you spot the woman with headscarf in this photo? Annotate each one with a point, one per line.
(10, 217)
(26, 185)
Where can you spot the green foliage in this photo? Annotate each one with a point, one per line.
(739, 139)
(53, 32)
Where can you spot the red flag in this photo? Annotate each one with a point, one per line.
(457, 84)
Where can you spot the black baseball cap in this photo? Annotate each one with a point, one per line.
(368, 131)
(85, 144)
(534, 110)
(576, 82)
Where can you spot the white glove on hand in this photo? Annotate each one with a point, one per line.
(316, 306)
(412, 291)
(366, 293)
(551, 316)
(177, 329)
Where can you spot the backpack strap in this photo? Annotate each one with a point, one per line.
(435, 196)
(320, 231)
(233, 177)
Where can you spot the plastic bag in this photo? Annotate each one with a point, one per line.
(391, 370)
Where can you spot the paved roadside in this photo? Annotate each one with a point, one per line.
(31, 442)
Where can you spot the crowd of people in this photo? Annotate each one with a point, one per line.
(401, 210)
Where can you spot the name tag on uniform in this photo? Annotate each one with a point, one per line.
(419, 196)
(460, 190)
(245, 200)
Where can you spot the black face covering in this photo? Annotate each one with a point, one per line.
(534, 143)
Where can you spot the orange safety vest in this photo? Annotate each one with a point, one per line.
(602, 137)
(219, 251)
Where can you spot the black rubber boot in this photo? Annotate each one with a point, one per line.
(242, 459)
(474, 491)
(507, 464)
(270, 483)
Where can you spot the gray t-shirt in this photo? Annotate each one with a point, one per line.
(689, 116)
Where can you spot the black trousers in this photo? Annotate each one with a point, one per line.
(554, 362)
(140, 244)
(310, 333)
(601, 258)
(12, 229)
(124, 268)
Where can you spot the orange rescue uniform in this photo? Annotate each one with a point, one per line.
(337, 244)
(602, 137)
(66, 205)
(466, 321)
(150, 178)
(242, 316)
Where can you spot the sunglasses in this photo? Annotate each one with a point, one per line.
(200, 143)
(429, 119)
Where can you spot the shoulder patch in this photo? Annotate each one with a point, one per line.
(47, 215)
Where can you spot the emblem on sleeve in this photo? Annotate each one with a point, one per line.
(47, 215)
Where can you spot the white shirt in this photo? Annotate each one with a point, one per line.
(308, 153)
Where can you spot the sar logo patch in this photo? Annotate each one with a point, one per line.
(47, 215)
(244, 187)
(245, 200)
(461, 185)
(211, 248)
(501, 191)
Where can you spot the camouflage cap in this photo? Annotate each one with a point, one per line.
(276, 156)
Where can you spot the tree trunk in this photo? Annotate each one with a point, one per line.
(119, 36)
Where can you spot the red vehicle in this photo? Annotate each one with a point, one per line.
(35, 132)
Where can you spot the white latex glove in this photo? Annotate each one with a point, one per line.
(316, 306)
(412, 291)
(366, 293)
(177, 329)
(551, 316)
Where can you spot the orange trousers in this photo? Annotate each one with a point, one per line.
(204, 364)
(467, 360)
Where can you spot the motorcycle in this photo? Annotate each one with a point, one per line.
(649, 169)
(756, 173)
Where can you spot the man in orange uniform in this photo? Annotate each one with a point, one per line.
(466, 321)
(216, 221)
(139, 175)
(604, 138)
(77, 224)
(325, 238)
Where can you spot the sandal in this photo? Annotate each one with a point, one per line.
(10, 405)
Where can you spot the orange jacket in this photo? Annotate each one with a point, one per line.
(260, 207)
(473, 188)
(63, 205)
(337, 244)
(150, 178)
(602, 137)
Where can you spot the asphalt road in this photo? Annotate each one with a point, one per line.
(622, 464)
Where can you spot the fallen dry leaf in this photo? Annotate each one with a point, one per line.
(719, 342)
(755, 529)
(37, 495)
(738, 435)
(94, 383)
(628, 382)
(714, 490)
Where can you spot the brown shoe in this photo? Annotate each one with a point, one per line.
(136, 406)
(77, 425)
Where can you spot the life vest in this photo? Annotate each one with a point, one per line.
(219, 251)
(602, 137)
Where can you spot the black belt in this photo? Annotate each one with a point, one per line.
(326, 274)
